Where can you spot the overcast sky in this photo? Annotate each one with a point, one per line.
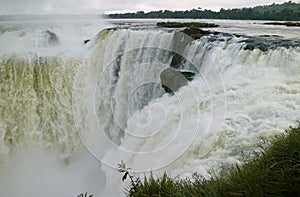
(107, 6)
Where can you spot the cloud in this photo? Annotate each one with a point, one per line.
(98, 6)
(47, 6)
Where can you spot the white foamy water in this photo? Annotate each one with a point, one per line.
(110, 91)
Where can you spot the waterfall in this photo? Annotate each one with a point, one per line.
(238, 97)
(111, 99)
(41, 153)
(36, 102)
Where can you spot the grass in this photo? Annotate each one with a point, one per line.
(273, 172)
(190, 24)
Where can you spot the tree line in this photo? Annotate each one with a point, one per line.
(288, 11)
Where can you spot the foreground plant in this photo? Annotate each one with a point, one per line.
(134, 181)
(84, 195)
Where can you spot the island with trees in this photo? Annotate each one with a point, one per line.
(288, 11)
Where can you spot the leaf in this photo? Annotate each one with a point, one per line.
(122, 167)
(125, 176)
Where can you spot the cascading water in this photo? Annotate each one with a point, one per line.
(111, 92)
(188, 131)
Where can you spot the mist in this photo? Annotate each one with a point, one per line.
(34, 173)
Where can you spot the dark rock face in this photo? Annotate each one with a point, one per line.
(195, 32)
(265, 43)
(173, 79)
(181, 70)
(180, 42)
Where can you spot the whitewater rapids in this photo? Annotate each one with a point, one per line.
(110, 93)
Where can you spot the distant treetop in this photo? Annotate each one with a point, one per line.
(288, 11)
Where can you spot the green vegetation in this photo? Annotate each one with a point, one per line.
(289, 24)
(190, 24)
(273, 172)
(288, 11)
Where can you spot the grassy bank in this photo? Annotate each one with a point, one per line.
(273, 172)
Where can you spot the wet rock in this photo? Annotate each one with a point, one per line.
(267, 42)
(195, 33)
(173, 79)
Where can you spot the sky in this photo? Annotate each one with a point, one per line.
(113, 6)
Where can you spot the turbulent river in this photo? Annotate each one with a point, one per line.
(77, 100)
